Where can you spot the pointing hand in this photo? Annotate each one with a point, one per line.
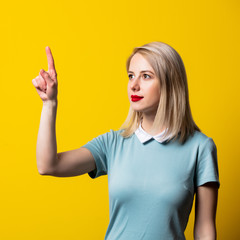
(46, 82)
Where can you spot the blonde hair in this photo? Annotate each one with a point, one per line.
(173, 110)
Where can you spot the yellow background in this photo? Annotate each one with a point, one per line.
(90, 42)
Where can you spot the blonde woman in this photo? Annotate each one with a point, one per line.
(156, 162)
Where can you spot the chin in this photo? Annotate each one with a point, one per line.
(138, 109)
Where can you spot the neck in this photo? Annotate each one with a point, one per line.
(147, 123)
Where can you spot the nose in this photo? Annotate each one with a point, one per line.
(135, 85)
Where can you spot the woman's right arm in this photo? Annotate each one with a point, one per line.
(49, 162)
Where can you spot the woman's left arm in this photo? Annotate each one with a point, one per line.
(205, 212)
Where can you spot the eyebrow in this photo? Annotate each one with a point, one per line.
(142, 71)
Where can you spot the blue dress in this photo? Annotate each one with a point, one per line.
(151, 182)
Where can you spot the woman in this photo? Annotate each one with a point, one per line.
(156, 162)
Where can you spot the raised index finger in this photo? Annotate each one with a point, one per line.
(50, 59)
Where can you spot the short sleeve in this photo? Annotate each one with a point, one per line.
(98, 147)
(207, 164)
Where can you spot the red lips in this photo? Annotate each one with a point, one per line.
(136, 98)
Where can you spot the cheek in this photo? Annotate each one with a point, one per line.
(156, 93)
(128, 90)
(154, 90)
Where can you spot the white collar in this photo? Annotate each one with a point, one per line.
(143, 136)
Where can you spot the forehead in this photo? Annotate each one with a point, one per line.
(138, 63)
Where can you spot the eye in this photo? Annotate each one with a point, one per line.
(129, 76)
(146, 75)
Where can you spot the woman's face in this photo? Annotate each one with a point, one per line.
(143, 83)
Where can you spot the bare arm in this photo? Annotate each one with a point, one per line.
(49, 162)
(46, 143)
(205, 212)
(63, 164)
(46, 86)
(73, 163)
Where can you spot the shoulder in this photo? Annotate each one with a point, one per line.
(200, 138)
(204, 143)
(112, 135)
